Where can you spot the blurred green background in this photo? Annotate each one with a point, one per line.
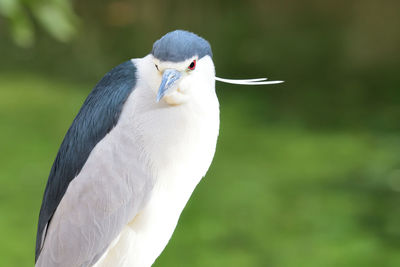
(306, 173)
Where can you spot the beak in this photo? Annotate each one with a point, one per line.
(168, 83)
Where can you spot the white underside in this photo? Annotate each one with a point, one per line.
(183, 156)
(144, 171)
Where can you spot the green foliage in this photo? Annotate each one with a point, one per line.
(306, 173)
(54, 16)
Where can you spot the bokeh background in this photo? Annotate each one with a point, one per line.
(306, 173)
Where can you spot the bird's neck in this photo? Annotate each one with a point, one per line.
(178, 146)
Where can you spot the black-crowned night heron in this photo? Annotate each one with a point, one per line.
(132, 157)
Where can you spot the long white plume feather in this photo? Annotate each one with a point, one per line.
(257, 81)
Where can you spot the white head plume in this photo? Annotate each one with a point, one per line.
(257, 81)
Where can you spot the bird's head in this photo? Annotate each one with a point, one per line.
(183, 63)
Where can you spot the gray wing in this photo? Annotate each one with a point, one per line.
(97, 117)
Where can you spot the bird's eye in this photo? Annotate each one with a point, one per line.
(156, 67)
(192, 65)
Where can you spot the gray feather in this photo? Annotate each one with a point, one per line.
(180, 45)
(98, 115)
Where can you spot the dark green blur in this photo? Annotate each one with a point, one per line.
(306, 173)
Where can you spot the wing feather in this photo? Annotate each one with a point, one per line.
(97, 117)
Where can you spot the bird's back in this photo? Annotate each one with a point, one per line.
(97, 117)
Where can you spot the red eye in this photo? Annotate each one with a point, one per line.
(192, 65)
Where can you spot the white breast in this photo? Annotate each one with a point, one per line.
(178, 145)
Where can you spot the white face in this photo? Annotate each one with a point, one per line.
(181, 82)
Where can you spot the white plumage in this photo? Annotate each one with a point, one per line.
(154, 145)
(149, 131)
(177, 161)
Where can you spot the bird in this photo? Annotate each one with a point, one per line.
(141, 142)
